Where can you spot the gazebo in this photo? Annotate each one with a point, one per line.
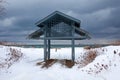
(59, 26)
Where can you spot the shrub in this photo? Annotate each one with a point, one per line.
(13, 56)
(87, 58)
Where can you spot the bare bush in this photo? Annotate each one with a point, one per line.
(87, 58)
(13, 56)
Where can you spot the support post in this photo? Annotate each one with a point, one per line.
(73, 43)
(73, 50)
(49, 49)
(45, 49)
(45, 44)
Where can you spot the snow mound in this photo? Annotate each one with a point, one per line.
(93, 64)
(8, 57)
(108, 57)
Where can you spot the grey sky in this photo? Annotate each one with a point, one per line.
(99, 17)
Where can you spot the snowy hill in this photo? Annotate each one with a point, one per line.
(93, 64)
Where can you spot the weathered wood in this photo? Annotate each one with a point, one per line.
(59, 26)
(73, 44)
(49, 48)
(45, 49)
(64, 38)
(73, 50)
(61, 15)
(45, 45)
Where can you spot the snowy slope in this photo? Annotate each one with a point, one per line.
(106, 65)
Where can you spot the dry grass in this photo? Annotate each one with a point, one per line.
(87, 47)
(47, 63)
(87, 58)
(115, 43)
(100, 67)
(50, 62)
(13, 56)
(92, 47)
(5, 43)
(69, 63)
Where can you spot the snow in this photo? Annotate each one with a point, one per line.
(25, 68)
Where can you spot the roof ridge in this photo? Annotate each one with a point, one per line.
(59, 13)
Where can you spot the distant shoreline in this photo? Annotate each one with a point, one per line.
(56, 45)
(59, 46)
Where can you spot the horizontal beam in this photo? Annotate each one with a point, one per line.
(64, 38)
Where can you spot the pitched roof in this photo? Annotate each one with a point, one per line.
(41, 22)
(56, 18)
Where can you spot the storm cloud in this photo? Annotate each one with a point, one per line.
(101, 18)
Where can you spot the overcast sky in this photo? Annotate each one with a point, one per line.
(101, 18)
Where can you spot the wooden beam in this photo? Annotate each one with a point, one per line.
(64, 38)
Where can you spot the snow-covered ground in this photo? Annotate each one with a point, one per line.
(106, 65)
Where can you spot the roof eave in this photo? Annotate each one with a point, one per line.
(36, 34)
(86, 34)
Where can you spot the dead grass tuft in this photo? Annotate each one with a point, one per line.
(13, 56)
(87, 58)
(50, 62)
(69, 63)
(87, 47)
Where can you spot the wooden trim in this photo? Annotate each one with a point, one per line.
(64, 38)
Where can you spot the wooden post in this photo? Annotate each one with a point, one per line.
(45, 44)
(49, 45)
(73, 50)
(45, 49)
(49, 49)
(73, 43)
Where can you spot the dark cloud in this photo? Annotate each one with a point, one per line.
(99, 17)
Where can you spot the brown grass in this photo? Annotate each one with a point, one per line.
(115, 43)
(50, 62)
(5, 43)
(12, 57)
(69, 63)
(99, 67)
(87, 58)
(87, 47)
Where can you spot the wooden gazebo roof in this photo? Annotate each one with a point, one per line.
(56, 18)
